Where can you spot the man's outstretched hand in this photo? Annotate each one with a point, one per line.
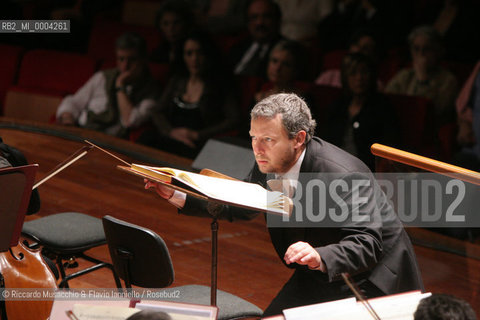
(162, 190)
(304, 254)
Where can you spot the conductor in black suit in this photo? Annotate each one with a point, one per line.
(249, 57)
(375, 251)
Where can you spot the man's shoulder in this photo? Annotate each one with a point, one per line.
(322, 156)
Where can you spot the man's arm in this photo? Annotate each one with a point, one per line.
(72, 106)
(361, 244)
(196, 207)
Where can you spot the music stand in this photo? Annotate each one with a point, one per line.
(16, 183)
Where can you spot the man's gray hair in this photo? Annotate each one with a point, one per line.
(295, 113)
(132, 41)
(428, 32)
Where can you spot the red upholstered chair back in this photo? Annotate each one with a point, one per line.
(415, 115)
(63, 72)
(323, 97)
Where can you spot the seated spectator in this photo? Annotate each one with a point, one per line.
(197, 103)
(250, 56)
(444, 307)
(426, 78)
(284, 68)
(361, 116)
(174, 19)
(116, 100)
(362, 41)
(456, 21)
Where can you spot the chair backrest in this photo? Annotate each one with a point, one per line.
(16, 185)
(414, 114)
(63, 72)
(139, 255)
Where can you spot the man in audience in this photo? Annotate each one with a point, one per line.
(115, 100)
(250, 56)
(427, 78)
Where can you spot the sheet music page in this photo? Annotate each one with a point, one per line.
(321, 310)
(231, 191)
(180, 312)
(393, 307)
(95, 312)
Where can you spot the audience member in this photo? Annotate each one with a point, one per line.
(285, 66)
(250, 55)
(426, 77)
(174, 19)
(115, 100)
(444, 307)
(362, 41)
(361, 116)
(301, 18)
(197, 103)
(457, 22)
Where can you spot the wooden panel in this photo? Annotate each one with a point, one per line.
(31, 106)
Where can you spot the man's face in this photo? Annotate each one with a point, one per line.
(273, 150)
(129, 61)
(424, 53)
(261, 23)
(172, 27)
(281, 68)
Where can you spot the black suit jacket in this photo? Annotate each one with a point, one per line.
(378, 251)
(239, 49)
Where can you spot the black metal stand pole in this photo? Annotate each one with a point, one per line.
(213, 280)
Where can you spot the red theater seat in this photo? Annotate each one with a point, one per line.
(323, 97)
(415, 116)
(64, 72)
(44, 78)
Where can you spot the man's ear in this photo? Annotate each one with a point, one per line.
(300, 138)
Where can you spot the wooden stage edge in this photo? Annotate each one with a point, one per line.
(247, 263)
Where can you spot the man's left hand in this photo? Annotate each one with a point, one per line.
(304, 254)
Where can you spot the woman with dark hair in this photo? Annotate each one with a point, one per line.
(197, 103)
(361, 116)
